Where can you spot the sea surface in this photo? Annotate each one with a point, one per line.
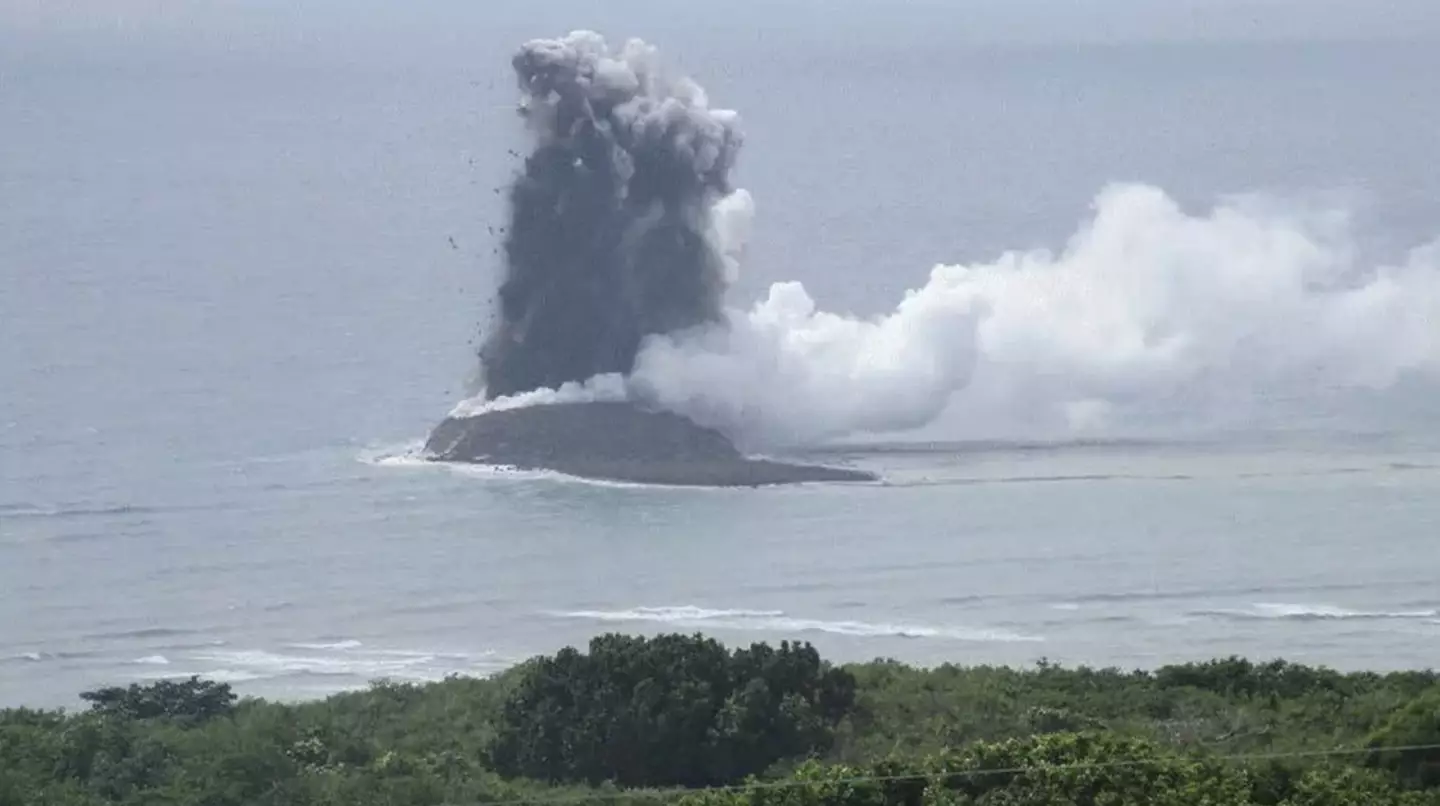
(242, 271)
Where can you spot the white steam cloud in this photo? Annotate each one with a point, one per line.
(1145, 304)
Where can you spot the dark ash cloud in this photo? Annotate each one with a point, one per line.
(608, 239)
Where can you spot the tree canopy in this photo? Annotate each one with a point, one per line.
(652, 720)
(194, 699)
(672, 710)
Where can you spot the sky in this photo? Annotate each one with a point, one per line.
(235, 23)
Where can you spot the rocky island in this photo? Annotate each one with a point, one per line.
(615, 442)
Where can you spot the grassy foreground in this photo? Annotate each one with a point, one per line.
(679, 719)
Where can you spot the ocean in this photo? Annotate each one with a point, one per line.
(245, 264)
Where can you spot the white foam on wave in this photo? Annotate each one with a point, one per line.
(778, 621)
(231, 675)
(510, 473)
(405, 454)
(44, 657)
(339, 660)
(413, 666)
(1283, 611)
(413, 457)
(331, 645)
(272, 664)
(680, 613)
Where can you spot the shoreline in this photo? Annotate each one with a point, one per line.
(653, 720)
(316, 695)
(617, 442)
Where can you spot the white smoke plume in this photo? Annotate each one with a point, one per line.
(1145, 304)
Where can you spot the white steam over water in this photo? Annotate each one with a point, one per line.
(1147, 304)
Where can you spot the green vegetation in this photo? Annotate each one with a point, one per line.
(192, 700)
(671, 711)
(632, 719)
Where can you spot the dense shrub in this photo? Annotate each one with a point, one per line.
(193, 700)
(672, 710)
(1240, 677)
(1065, 770)
(1415, 729)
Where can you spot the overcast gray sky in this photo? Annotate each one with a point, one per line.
(985, 21)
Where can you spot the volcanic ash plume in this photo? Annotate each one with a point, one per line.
(625, 233)
(610, 236)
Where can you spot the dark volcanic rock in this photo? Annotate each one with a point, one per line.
(617, 442)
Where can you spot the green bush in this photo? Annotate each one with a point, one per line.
(1416, 728)
(1073, 769)
(193, 700)
(1238, 677)
(1050, 770)
(672, 710)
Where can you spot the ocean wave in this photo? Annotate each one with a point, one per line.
(336, 645)
(1060, 621)
(29, 657)
(405, 454)
(343, 660)
(45, 657)
(966, 598)
(1404, 466)
(1076, 478)
(1280, 611)
(231, 675)
(272, 664)
(681, 613)
(1120, 597)
(433, 607)
(1092, 478)
(141, 633)
(512, 473)
(778, 621)
(60, 511)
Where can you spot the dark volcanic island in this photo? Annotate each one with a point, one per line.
(611, 240)
(617, 442)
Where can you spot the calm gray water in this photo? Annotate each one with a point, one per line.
(231, 302)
